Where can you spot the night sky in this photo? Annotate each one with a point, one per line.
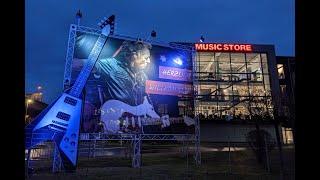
(235, 21)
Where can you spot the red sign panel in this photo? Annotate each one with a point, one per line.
(223, 47)
(167, 88)
(174, 73)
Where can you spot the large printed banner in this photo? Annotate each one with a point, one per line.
(174, 73)
(134, 83)
(167, 88)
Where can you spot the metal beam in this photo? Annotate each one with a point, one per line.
(136, 160)
(145, 137)
(197, 156)
(69, 57)
(57, 161)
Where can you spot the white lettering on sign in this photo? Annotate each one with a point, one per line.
(174, 73)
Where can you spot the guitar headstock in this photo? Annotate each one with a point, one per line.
(104, 25)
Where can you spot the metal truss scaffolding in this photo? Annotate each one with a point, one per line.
(136, 139)
(145, 137)
(197, 142)
(185, 146)
(57, 162)
(196, 118)
(69, 57)
(136, 159)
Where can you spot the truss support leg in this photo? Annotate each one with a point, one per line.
(136, 160)
(28, 162)
(94, 149)
(57, 161)
(28, 157)
(197, 142)
(69, 57)
(185, 146)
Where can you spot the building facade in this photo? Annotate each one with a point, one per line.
(230, 83)
(286, 77)
(235, 83)
(37, 96)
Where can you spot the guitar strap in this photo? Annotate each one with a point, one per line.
(117, 51)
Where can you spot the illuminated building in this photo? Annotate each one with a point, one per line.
(34, 104)
(235, 83)
(38, 96)
(33, 107)
(286, 76)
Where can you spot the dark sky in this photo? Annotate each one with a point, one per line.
(236, 21)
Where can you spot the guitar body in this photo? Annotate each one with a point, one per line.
(59, 122)
(116, 114)
(113, 110)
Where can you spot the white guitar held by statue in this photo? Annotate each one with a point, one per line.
(113, 110)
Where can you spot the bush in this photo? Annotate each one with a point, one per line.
(265, 140)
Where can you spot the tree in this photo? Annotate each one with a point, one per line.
(259, 109)
(263, 109)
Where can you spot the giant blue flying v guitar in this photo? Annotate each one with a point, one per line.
(61, 120)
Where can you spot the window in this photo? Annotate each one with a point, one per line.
(286, 111)
(283, 90)
(228, 80)
(287, 135)
(280, 71)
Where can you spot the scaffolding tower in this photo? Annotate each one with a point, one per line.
(196, 110)
(136, 139)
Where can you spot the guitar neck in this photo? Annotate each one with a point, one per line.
(87, 68)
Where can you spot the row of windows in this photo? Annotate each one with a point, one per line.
(231, 62)
(245, 89)
(226, 81)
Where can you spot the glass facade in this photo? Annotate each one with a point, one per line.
(232, 84)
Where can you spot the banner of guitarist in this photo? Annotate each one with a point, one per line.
(117, 94)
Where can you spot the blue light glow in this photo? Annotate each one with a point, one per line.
(178, 61)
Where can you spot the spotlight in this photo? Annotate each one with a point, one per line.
(201, 39)
(79, 14)
(178, 61)
(153, 34)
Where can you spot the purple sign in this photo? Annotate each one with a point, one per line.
(174, 73)
(167, 88)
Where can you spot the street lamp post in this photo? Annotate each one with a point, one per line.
(28, 101)
(39, 93)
